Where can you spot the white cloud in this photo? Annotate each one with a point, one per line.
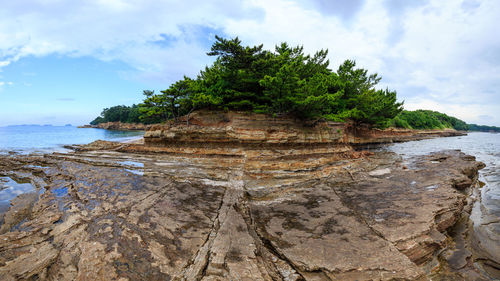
(453, 53)
(473, 113)
(444, 52)
(434, 53)
(3, 83)
(289, 21)
(114, 30)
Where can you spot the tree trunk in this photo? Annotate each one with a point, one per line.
(187, 116)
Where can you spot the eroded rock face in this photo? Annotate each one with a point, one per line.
(110, 215)
(232, 196)
(362, 135)
(486, 238)
(207, 129)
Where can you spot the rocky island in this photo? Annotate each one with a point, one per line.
(238, 196)
(257, 169)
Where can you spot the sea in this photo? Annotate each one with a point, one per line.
(25, 139)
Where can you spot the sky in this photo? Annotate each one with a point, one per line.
(63, 61)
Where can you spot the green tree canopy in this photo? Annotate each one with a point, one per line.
(285, 81)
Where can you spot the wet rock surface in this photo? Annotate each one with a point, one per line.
(115, 215)
(486, 235)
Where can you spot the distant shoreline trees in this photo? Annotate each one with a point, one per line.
(427, 119)
(483, 128)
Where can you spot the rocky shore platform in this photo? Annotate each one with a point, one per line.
(119, 126)
(232, 199)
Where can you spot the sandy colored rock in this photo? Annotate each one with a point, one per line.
(235, 198)
(108, 215)
(207, 127)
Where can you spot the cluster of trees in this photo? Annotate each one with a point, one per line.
(122, 113)
(283, 82)
(483, 128)
(427, 119)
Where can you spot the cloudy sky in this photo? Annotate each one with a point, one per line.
(62, 61)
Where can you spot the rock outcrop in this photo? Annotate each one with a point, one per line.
(362, 135)
(206, 127)
(234, 197)
(119, 126)
(486, 234)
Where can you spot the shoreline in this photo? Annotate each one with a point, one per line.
(261, 206)
(119, 126)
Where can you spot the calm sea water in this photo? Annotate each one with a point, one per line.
(34, 138)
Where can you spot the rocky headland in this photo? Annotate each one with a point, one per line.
(119, 126)
(232, 196)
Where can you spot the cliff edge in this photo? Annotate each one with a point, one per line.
(249, 128)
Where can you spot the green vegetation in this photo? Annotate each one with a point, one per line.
(483, 128)
(122, 113)
(427, 119)
(283, 82)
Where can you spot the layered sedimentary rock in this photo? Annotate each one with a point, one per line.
(363, 135)
(205, 127)
(235, 199)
